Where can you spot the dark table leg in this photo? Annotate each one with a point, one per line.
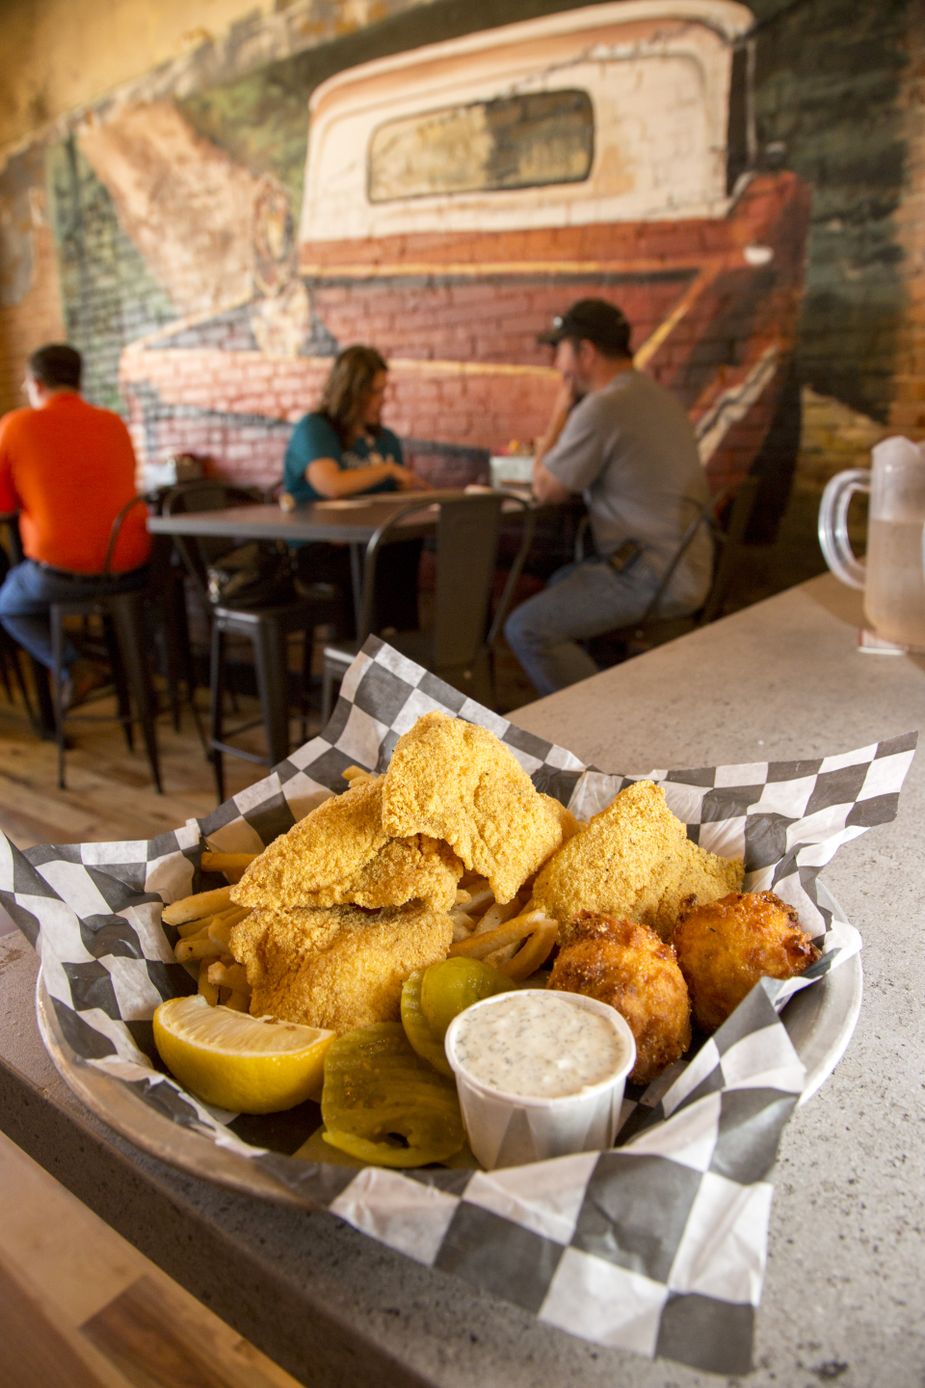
(357, 555)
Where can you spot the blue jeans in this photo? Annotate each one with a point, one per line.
(28, 592)
(580, 601)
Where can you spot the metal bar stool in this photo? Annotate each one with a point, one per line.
(458, 644)
(267, 628)
(123, 618)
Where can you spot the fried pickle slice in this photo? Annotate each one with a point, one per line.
(633, 860)
(454, 781)
(337, 963)
(340, 853)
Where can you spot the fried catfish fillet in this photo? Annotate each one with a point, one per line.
(725, 946)
(340, 853)
(633, 860)
(337, 967)
(454, 781)
(627, 965)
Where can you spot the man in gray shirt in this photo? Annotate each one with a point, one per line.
(625, 444)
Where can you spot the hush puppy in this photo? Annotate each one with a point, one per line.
(627, 965)
(725, 946)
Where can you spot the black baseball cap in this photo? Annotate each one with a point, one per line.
(593, 320)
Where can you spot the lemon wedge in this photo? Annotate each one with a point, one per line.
(233, 1061)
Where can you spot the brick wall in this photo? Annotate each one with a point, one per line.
(30, 297)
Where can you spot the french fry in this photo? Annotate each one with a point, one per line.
(511, 932)
(200, 947)
(221, 925)
(356, 775)
(231, 916)
(220, 932)
(534, 952)
(462, 925)
(208, 990)
(230, 976)
(189, 908)
(238, 1000)
(191, 928)
(479, 898)
(496, 915)
(214, 861)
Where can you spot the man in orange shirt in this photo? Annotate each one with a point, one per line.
(67, 468)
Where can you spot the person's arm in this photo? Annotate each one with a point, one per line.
(546, 487)
(331, 481)
(314, 454)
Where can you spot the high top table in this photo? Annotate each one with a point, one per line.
(842, 1298)
(349, 520)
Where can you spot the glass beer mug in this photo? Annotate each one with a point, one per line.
(893, 573)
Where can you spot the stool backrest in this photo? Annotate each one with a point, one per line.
(732, 513)
(116, 529)
(206, 494)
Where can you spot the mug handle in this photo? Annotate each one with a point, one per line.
(833, 525)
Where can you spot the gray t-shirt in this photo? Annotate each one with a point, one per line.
(630, 450)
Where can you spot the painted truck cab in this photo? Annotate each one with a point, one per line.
(459, 195)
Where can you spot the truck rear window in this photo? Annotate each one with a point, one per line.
(522, 141)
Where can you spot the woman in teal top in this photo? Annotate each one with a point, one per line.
(343, 449)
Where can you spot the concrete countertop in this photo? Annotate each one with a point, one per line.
(842, 1298)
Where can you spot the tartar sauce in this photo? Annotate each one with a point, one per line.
(538, 1045)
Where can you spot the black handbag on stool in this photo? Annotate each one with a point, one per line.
(257, 574)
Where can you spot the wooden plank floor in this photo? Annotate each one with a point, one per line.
(78, 1305)
(110, 794)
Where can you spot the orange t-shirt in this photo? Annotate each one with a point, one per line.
(69, 468)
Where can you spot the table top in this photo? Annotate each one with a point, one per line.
(780, 680)
(349, 519)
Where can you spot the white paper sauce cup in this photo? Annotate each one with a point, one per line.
(540, 1073)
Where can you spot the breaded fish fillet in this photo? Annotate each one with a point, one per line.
(336, 967)
(633, 860)
(340, 853)
(458, 782)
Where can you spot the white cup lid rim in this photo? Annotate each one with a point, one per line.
(619, 1023)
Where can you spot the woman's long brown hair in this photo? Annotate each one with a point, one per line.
(347, 387)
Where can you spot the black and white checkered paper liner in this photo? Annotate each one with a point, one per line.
(657, 1246)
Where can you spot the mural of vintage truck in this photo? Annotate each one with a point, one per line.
(458, 195)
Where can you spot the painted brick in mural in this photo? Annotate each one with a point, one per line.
(200, 266)
(450, 209)
(107, 290)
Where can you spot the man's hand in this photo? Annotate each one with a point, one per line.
(562, 405)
